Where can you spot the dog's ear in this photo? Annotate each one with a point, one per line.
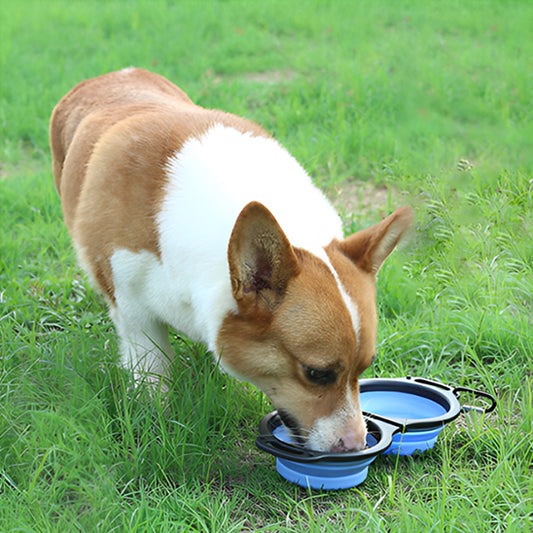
(261, 260)
(370, 247)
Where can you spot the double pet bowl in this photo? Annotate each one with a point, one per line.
(403, 415)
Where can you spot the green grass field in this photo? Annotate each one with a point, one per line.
(385, 103)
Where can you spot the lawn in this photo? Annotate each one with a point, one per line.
(385, 103)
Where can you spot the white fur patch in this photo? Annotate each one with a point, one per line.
(215, 176)
(211, 179)
(348, 302)
(147, 292)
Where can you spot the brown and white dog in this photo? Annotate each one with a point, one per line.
(198, 219)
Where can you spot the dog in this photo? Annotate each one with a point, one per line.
(200, 220)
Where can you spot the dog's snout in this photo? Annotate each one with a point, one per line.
(351, 441)
(339, 433)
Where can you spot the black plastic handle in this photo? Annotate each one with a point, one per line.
(457, 390)
(477, 393)
(430, 382)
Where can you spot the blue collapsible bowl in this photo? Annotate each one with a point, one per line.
(420, 407)
(403, 415)
(322, 470)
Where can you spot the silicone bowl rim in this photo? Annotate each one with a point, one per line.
(269, 443)
(432, 390)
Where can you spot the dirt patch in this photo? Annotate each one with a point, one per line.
(360, 199)
(24, 161)
(271, 77)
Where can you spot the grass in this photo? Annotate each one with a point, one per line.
(429, 100)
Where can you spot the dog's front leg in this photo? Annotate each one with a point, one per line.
(144, 346)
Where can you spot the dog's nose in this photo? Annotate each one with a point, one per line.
(351, 441)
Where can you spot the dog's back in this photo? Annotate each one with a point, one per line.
(92, 107)
(111, 138)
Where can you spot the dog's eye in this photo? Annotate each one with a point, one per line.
(319, 376)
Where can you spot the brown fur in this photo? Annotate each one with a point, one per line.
(123, 125)
(310, 326)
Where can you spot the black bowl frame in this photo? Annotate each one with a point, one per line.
(382, 431)
(380, 427)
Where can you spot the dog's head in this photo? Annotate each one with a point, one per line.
(305, 329)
